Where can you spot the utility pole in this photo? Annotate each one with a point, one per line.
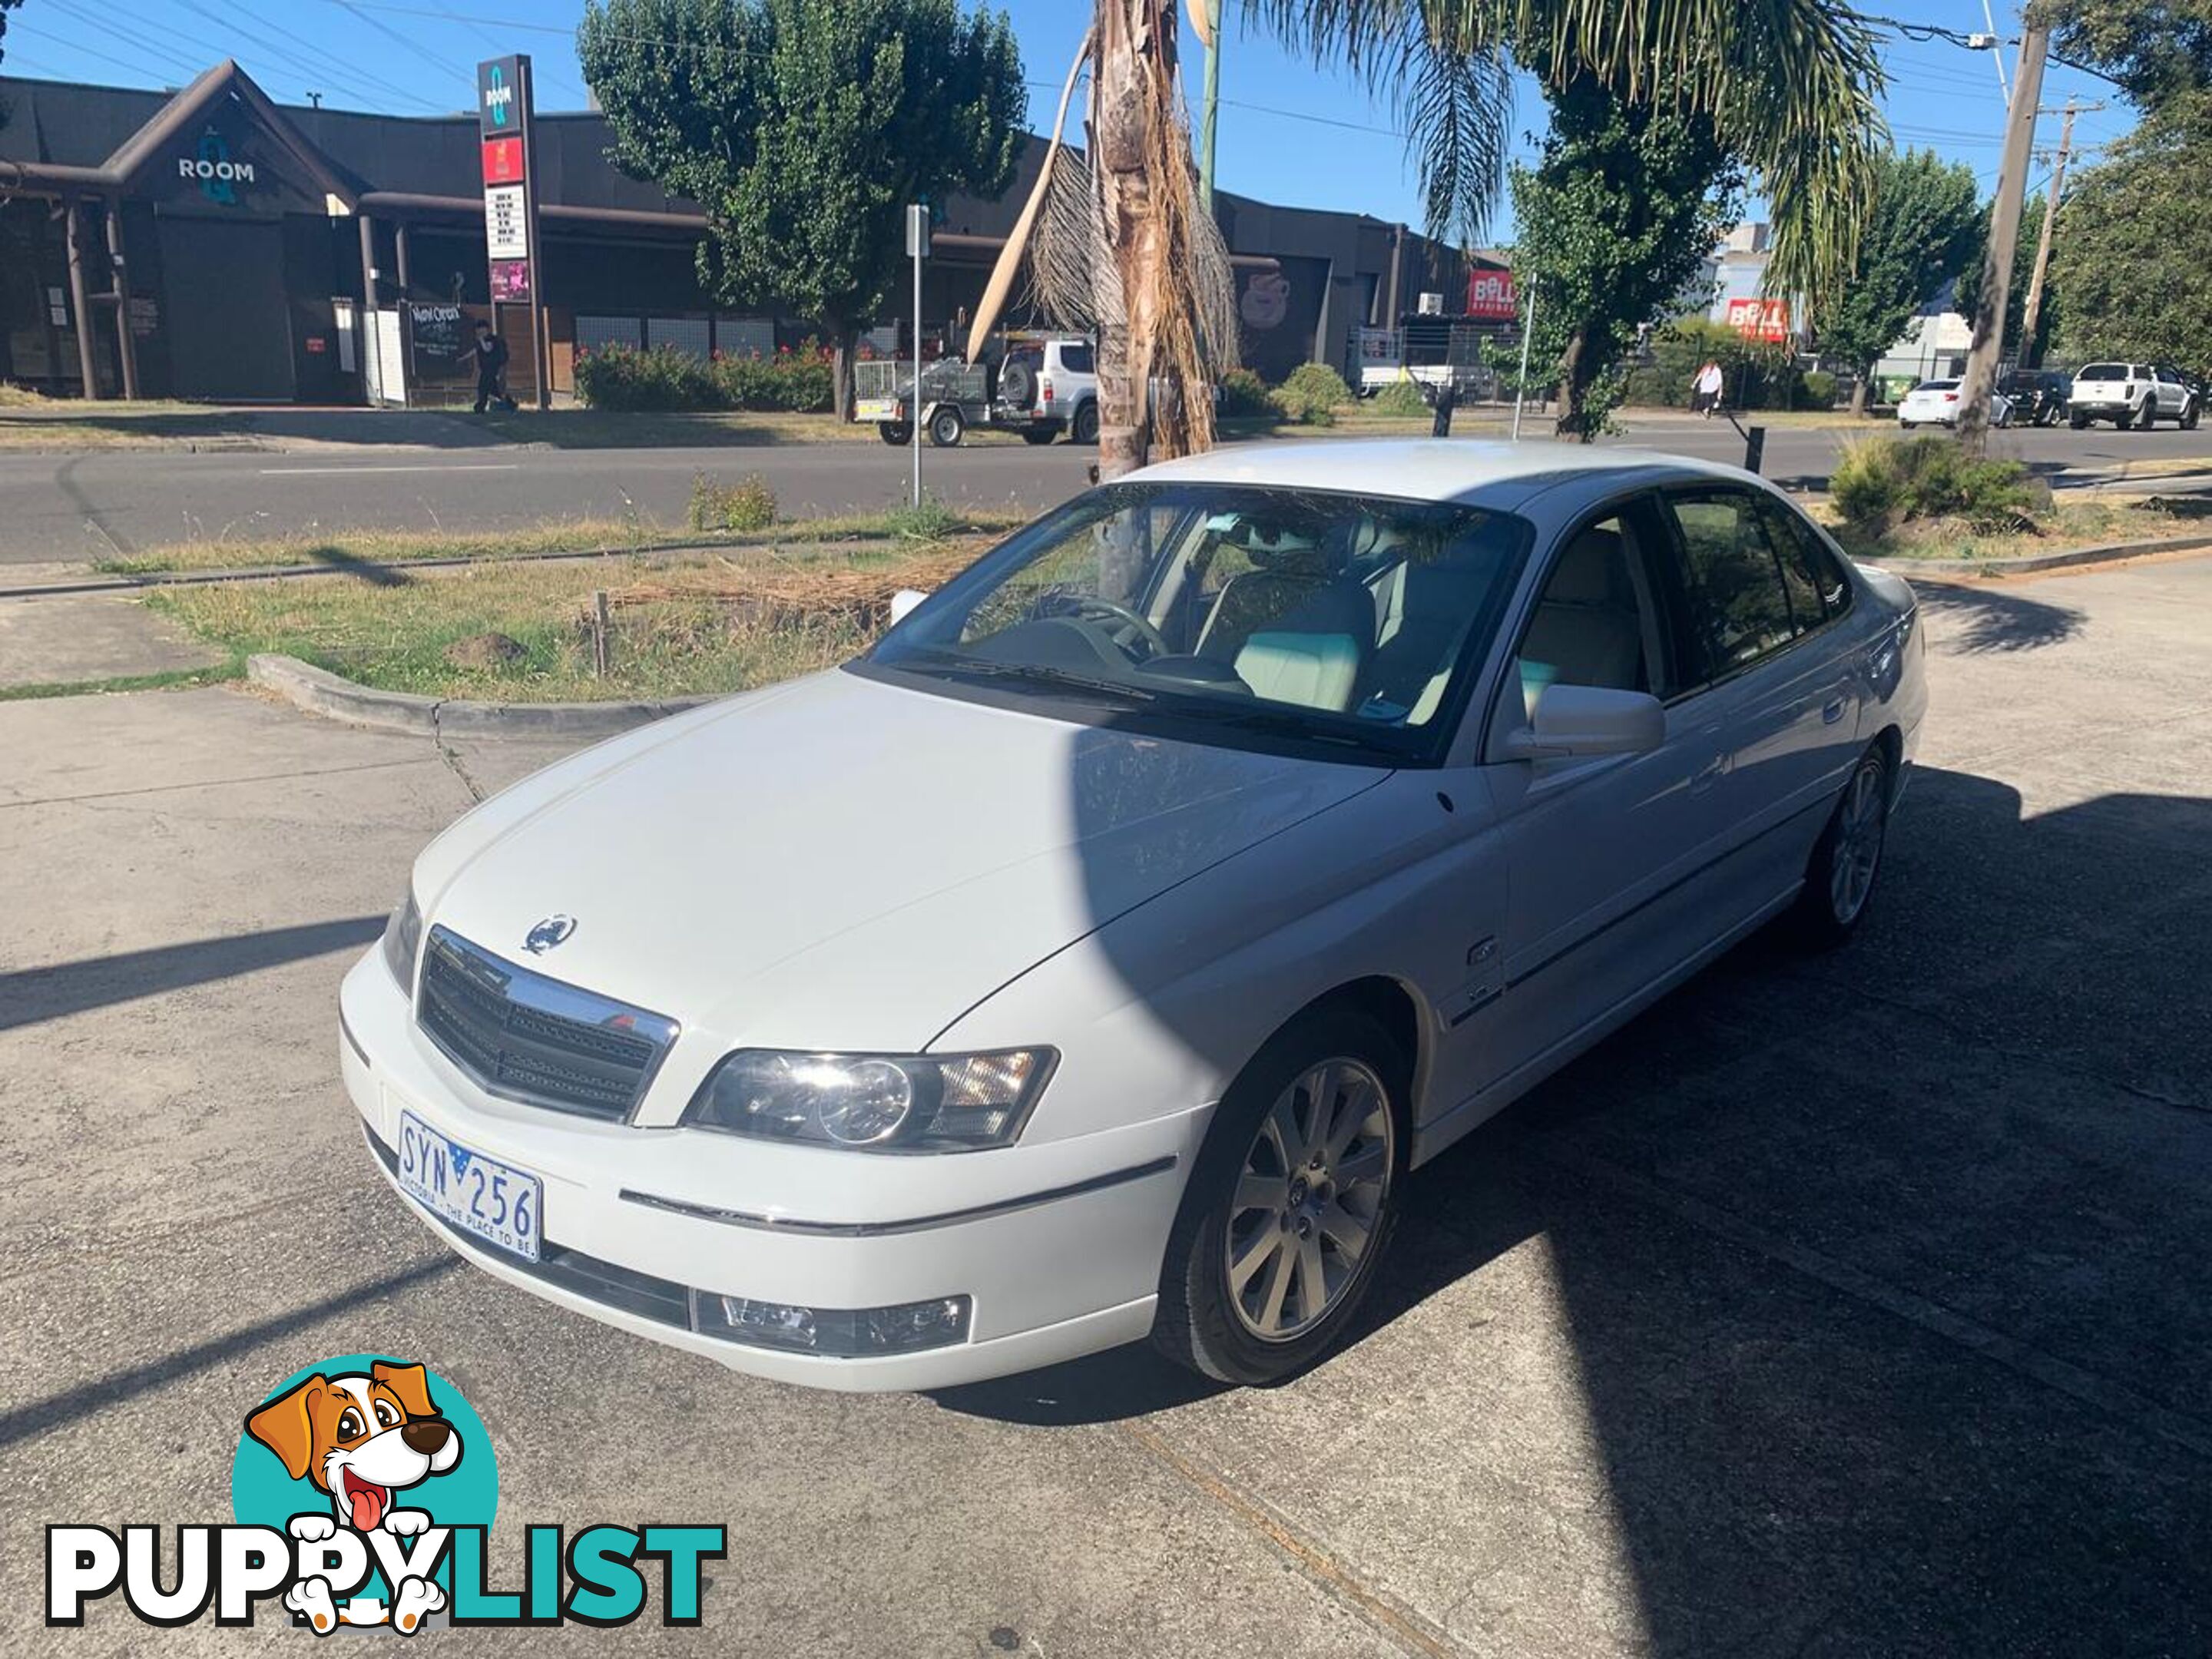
(1206, 13)
(2004, 240)
(2033, 313)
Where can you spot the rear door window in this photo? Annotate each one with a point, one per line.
(1816, 585)
(1076, 359)
(1739, 608)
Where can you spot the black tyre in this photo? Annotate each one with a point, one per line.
(1839, 880)
(2078, 422)
(945, 428)
(899, 434)
(2127, 419)
(2190, 415)
(1290, 1204)
(1039, 435)
(1085, 430)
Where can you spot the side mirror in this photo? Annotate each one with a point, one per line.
(1589, 720)
(903, 602)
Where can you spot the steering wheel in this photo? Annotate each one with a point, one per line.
(1130, 625)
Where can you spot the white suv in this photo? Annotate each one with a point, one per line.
(2130, 395)
(1056, 382)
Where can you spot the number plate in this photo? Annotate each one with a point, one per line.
(495, 1201)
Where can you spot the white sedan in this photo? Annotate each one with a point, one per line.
(1092, 958)
(1935, 403)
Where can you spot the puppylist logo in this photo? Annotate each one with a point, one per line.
(362, 1491)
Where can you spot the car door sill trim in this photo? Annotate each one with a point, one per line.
(918, 1223)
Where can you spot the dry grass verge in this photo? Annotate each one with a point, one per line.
(681, 625)
(2071, 524)
(354, 550)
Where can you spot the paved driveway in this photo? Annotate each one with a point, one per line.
(1843, 1306)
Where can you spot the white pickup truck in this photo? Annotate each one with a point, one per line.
(2130, 395)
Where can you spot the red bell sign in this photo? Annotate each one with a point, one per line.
(1491, 294)
(1760, 320)
(502, 161)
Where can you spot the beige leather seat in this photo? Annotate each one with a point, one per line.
(1587, 629)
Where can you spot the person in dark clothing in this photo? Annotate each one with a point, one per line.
(489, 355)
(1447, 401)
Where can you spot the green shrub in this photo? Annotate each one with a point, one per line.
(1243, 393)
(1882, 481)
(796, 381)
(662, 378)
(1400, 397)
(930, 521)
(623, 377)
(1819, 388)
(1313, 394)
(748, 504)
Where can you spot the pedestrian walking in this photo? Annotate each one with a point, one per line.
(1447, 400)
(488, 353)
(1705, 390)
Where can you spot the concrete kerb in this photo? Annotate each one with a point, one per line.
(2028, 564)
(320, 692)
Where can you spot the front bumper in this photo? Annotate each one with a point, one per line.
(1058, 1243)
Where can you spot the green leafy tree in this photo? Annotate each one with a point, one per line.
(803, 127)
(2159, 52)
(2132, 250)
(1617, 217)
(1924, 228)
(1968, 298)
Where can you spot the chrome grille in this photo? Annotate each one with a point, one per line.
(536, 1040)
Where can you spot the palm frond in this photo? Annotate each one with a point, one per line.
(1792, 86)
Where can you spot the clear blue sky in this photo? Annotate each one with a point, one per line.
(1332, 149)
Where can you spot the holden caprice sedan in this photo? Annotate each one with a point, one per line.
(1092, 958)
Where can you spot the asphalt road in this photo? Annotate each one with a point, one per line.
(95, 504)
(1842, 1305)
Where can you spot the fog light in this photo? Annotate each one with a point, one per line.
(835, 1333)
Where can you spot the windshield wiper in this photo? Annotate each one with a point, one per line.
(1032, 673)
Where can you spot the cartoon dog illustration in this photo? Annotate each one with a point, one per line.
(361, 1439)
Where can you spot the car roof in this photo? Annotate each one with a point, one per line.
(1500, 474)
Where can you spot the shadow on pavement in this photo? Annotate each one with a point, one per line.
(29, 996)
(25, 1421)
(1988, 618)
(1881, 1268)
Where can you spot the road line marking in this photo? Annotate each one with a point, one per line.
(428, 466)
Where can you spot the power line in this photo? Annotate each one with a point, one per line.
(311, 59)
(98, 55)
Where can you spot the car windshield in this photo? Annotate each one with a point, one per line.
(1937, 386)
(1232, 613)
(2103, 372)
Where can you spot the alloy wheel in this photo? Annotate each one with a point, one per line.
(1859, 832)
(1308, 1195)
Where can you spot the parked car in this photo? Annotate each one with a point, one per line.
(1094, 958)
(2131, 395)
(1039, 388)
(2038, 396)
(1935, 403)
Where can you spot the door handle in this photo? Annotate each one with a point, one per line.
(1714, 769)
(1832, 712)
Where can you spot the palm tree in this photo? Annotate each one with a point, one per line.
(1790, 86)
(1116, 239)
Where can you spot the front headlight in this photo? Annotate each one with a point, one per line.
(403, 936)
(874, 1103)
